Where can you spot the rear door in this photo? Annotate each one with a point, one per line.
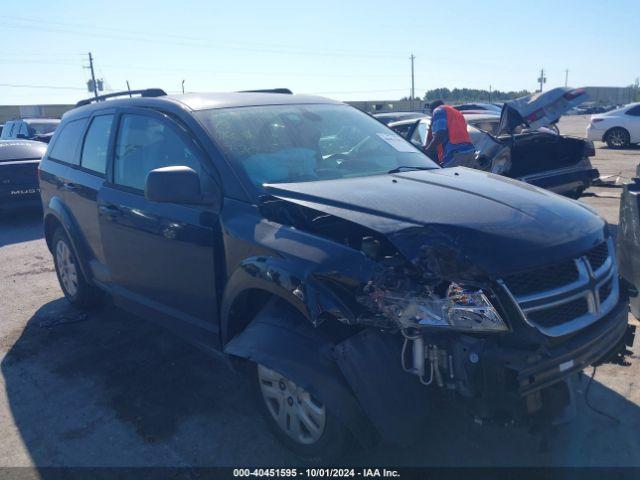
(56, 169)
(84, 180)
(160, 255)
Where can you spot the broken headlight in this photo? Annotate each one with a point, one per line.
(461, 308)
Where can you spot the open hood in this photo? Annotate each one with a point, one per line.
(539, 109)
(460, 209)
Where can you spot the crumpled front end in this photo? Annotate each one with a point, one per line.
(506, 345)
(494, 304)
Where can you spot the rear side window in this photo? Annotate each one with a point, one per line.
(96, 144)
(64, 150)
(24, 130)
(634, 112)
(144, 144)
(7, 129)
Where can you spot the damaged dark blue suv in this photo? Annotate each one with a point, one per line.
(354, 278)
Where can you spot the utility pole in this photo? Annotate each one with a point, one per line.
(566, 77)
(489, 93)
(413, 85)
(182, 86)
(542, 79)
(93, 76)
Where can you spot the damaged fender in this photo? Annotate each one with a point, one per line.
(316, 275)
(280, 339)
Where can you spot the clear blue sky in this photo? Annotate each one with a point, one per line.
(350, 50)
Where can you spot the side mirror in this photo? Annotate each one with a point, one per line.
(177, 184)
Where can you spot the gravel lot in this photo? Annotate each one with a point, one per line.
(111, 389)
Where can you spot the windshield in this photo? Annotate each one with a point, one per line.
(42, 128)
(301, 143)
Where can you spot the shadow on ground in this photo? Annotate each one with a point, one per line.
(632, 147)
(20, 226)
(111, 389)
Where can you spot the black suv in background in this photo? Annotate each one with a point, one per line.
(40, 129)
(354, 278)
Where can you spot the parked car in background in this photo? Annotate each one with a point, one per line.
(19, 161)
(39, 129)
(389, 117)
(478, 107)
(349, 275)
(618, 128)
(507, 145)
(487, 122)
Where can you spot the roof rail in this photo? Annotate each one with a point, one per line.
(284, 91)
(147, 92)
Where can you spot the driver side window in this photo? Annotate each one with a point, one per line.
(144, 144)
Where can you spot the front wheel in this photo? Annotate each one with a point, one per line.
(298, 419)
(617, 138)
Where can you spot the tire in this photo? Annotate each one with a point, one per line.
(576, 194)
(324, 444)
(617, 137)
(77, 290)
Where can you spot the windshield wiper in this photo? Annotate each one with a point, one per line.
(407, 167)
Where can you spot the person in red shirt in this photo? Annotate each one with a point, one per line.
(448, 140)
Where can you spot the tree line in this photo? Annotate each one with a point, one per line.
(462, 95)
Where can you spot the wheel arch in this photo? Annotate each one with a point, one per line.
(56, 215)
(615, 127)
(260, 279)
(281, 339)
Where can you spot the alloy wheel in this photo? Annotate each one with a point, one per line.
(66, 268)
(295, 411)
(617, 138)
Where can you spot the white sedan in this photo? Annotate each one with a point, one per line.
(618, 128)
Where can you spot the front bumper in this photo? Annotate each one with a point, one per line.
(492, 381)
(547, 366)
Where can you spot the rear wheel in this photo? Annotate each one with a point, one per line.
(75, 287)
(298, 419)
(617, 138)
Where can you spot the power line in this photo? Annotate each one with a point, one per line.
(52, 87)
(188, 41)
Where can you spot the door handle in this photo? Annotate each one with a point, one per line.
(69, 186)
(109, 210)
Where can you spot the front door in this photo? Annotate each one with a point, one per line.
(160, 255)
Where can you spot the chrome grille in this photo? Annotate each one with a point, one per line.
(598, 255)
(541, 279)
(568, 296)
(564, 312)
